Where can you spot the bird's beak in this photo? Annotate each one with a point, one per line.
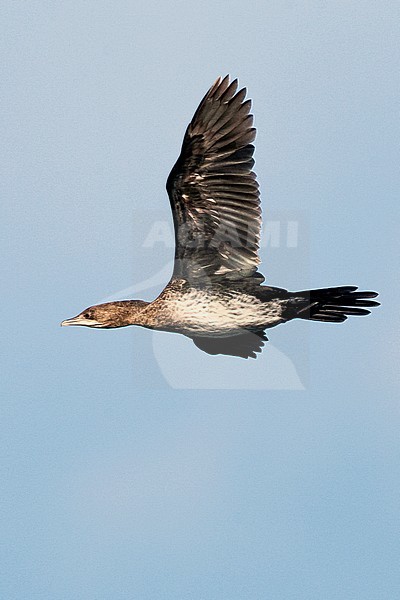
(79, 320)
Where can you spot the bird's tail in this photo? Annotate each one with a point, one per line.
(335, 304)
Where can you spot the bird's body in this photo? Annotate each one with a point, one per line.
(216, 311)
(215, 295)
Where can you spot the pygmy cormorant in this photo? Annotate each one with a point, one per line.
(215, 296)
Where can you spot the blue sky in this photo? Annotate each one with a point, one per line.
(133, 465)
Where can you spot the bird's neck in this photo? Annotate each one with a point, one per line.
(129, 312)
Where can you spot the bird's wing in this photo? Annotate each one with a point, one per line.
(245, 345)
(214, 193)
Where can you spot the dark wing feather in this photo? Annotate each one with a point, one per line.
(245, 345)
(214, 193)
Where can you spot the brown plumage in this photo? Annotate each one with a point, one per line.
(213, 191)
(215, 294)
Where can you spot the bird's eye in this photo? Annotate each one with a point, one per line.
(86, 315)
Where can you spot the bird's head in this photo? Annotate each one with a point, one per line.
(109, 315)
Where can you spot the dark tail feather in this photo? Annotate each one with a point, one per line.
(334, 305)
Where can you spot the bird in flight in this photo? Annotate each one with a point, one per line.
(215, 295)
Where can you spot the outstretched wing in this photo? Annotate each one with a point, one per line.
(245, 345)
(213, 190)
